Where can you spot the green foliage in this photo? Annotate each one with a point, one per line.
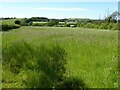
(82, 25)
(99, 25)
(103, 26)
(53, 23)
(89, 25)
(25, 22)
(15, 55)
(50, 63)
(39, 19)
(115, 26)
(37, 80)
(67, 25)
(17, 22)
(9, 24)
(6, 27)
(118, 25)
(72, 83)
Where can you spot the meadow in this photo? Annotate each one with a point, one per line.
(91, 55)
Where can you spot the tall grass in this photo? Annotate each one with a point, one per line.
(91, 56)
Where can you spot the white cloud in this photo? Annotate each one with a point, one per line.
(59, 0)
(47, 8)
(60, 9)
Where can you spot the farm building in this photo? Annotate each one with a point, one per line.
(72, 22)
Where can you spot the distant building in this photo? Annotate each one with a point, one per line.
(72, 21)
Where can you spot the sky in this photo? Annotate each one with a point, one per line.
(59, 9)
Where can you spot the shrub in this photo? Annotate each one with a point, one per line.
(103, 26)
(83, 25)
(40, 66)
(47, 64)
(110, 26)
(118, 25)
(89, 25)
(17, 22)
(67, 25)
(52, 23)
(25, 22)
(6, 27)
(96, 26)
(78, 24)
(115, 26)
(72, 83)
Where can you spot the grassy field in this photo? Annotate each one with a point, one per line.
(39, 22)
(92, 55)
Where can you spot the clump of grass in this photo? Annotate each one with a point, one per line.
(44, 66)
(16, 54)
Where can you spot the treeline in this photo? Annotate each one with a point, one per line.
(108, 23)
(6, 27)
(84, 23)
(100, 25)
(7, 18)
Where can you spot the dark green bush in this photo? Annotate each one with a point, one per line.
(115, 26)
(89, 25)
(17, 22)
(78, 24)
(16, 55)
(72, 83)
(52, 23)
(67, 25)
(6, 27)
(99, 25)
(83, 25)
(25, 22)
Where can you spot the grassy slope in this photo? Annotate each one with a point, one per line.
(10, 21)
(91, 54)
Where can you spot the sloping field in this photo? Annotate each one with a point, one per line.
(92, 55)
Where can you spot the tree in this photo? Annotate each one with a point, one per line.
(17, 22)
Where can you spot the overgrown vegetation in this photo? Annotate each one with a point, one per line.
(104, 25)
(9, 24)
(59, 57)
(44, 66)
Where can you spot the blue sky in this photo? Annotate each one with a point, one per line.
(93, 10)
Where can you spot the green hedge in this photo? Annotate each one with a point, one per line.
(110, 26)
(8, 24)
(6, 27)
